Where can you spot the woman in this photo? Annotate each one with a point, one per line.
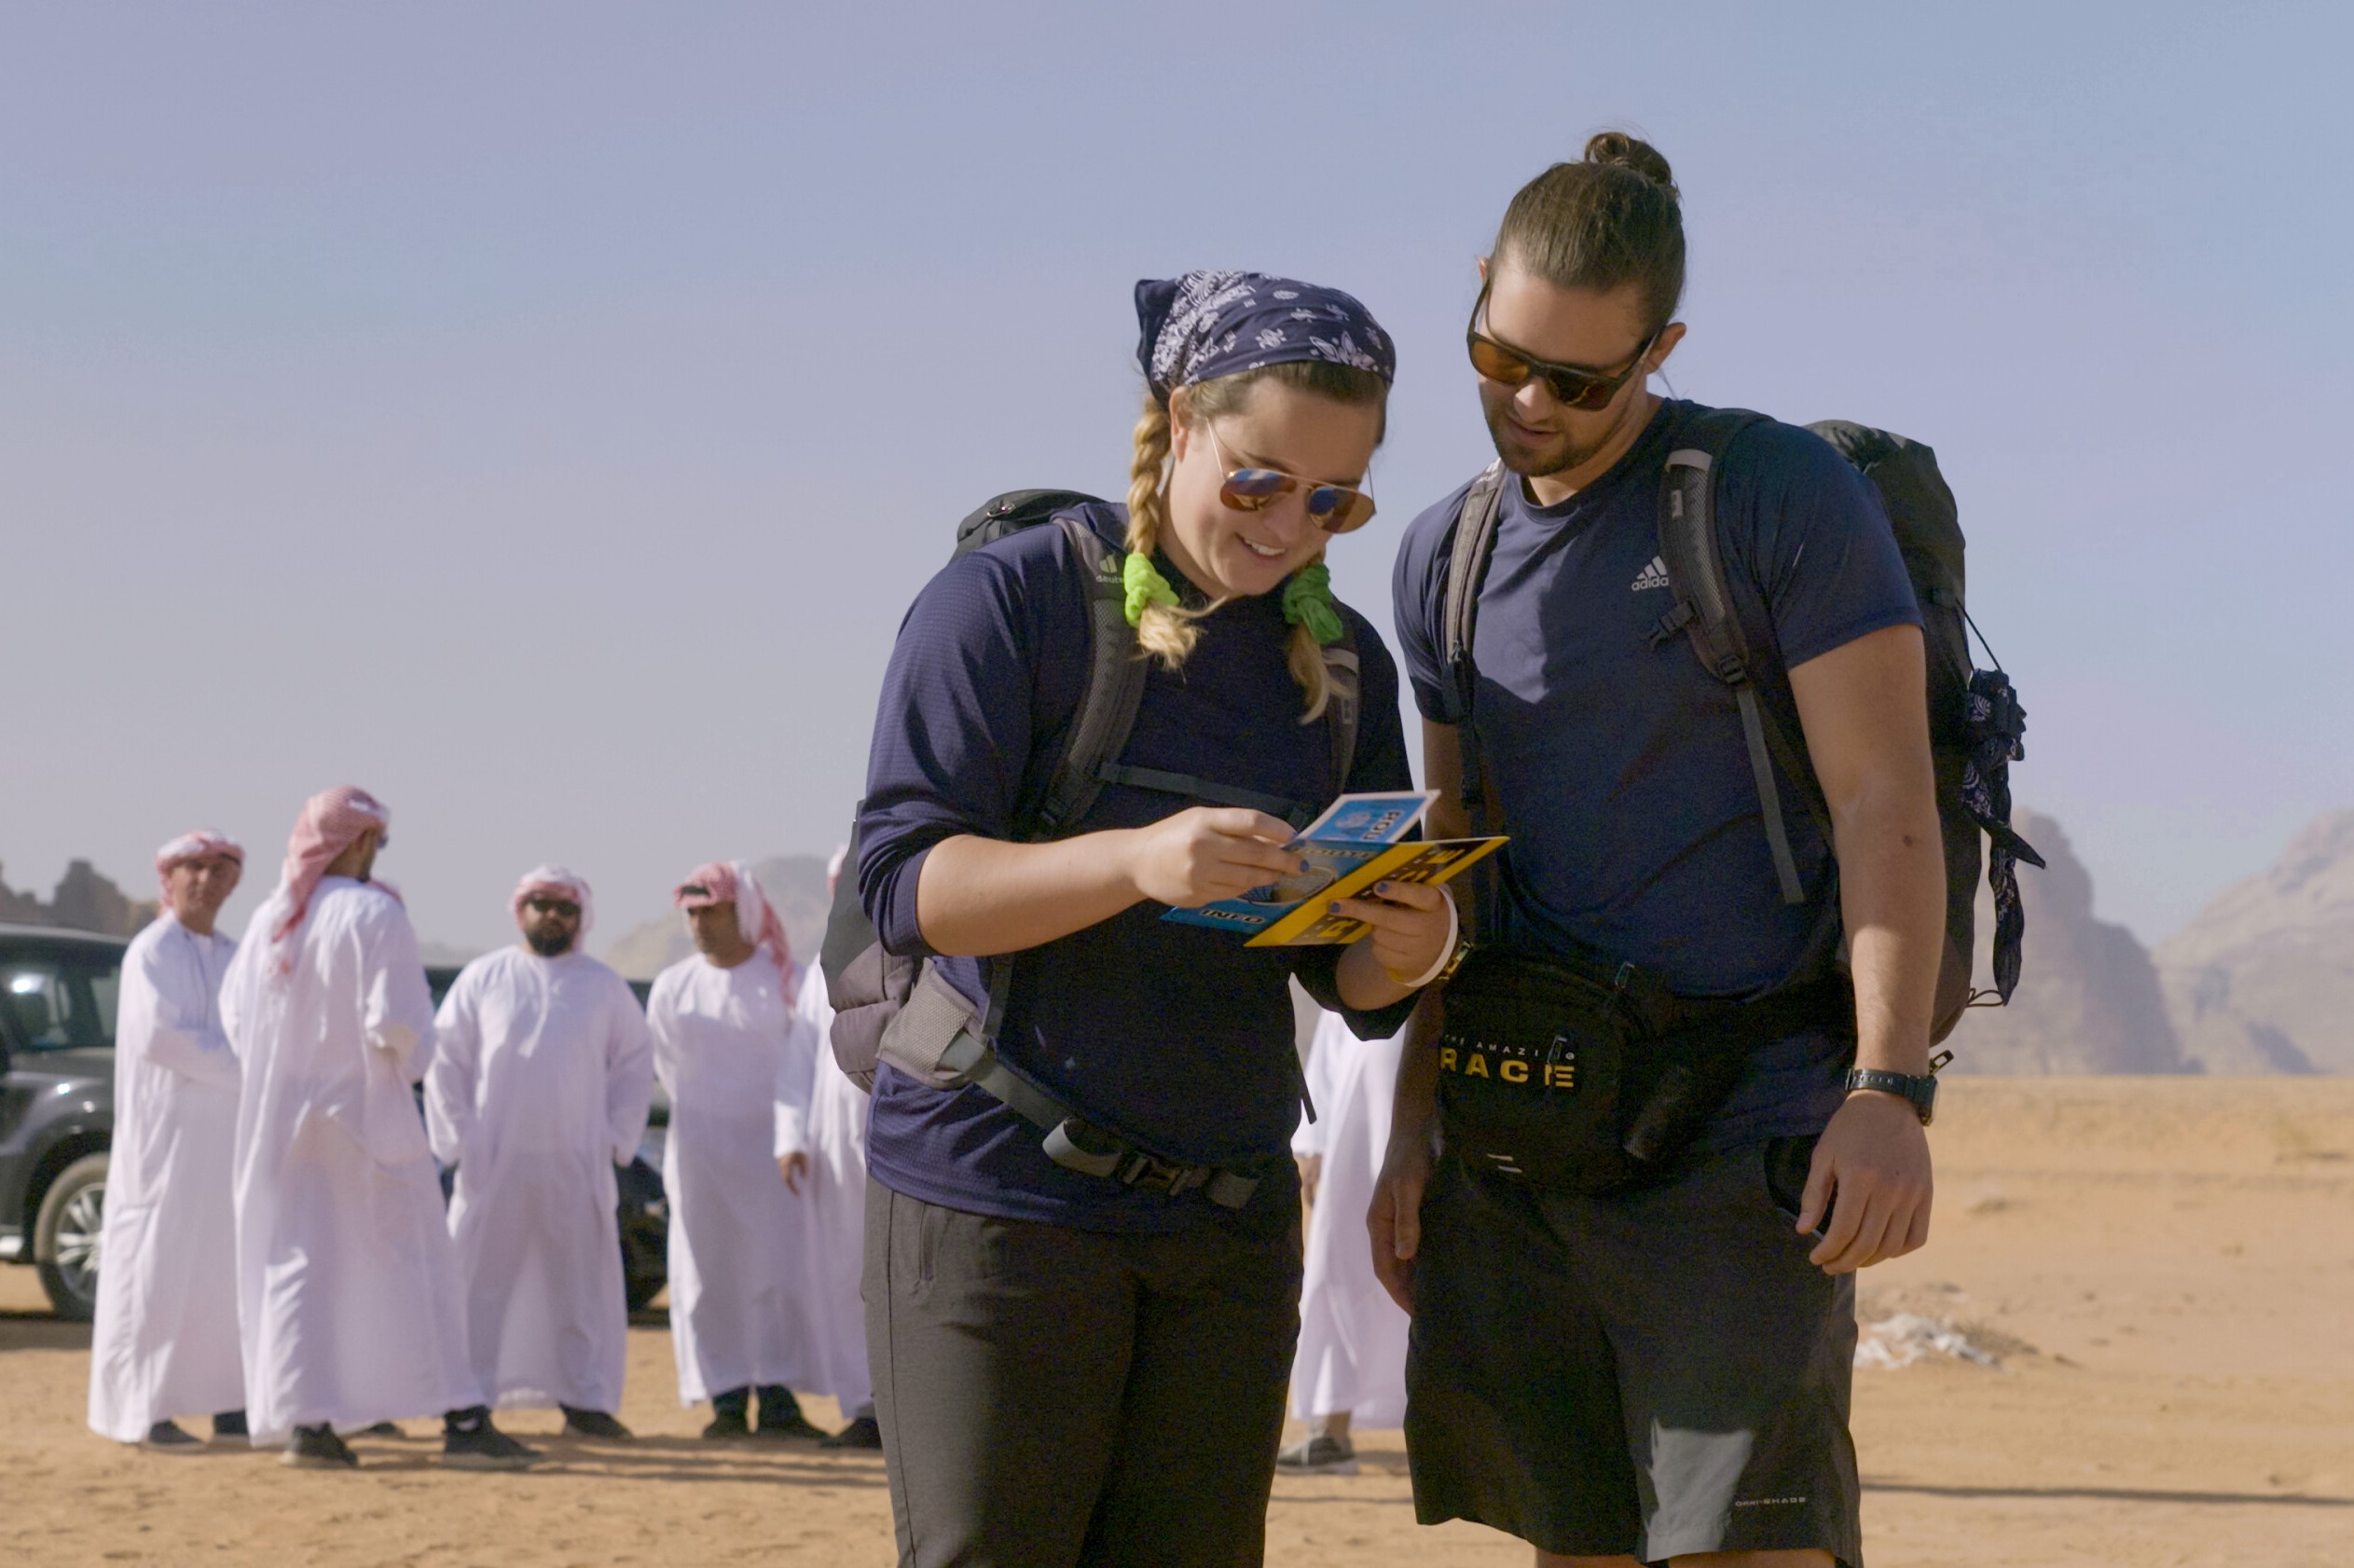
(1071, 1367)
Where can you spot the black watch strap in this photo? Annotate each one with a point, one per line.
(1921, 1092)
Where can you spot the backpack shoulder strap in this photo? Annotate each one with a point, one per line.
(1466, 566)
(1459, 618)
(1705, 612)
(1115, 686)
(1342, 673)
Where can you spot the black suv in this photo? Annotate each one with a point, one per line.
(58, 992)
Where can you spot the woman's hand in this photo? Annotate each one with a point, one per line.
(1411, 926)
(1207, 853)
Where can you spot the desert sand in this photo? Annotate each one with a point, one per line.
(2163, 1268)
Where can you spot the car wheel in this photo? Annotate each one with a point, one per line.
(66, 1236)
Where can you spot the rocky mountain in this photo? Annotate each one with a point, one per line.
(2088, 1000)
(795, 884)
(84, 900)
(2262, 980)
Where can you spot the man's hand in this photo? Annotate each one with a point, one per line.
(1207, 853)
(1408, 925)
(795, 1169)
(1311, 1171)
(1396, 1219)
(1871, 1171)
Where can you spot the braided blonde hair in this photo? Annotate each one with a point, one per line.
(1169, 632)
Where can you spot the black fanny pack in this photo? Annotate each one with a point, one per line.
(1586, 1078)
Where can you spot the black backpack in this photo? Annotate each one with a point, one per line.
(885, 1005)
(1975, 721)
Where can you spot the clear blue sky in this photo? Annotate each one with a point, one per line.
(542, 414)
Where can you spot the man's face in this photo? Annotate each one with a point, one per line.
(1536, 433)
(198, 887)
(551, 924)
(717, 934)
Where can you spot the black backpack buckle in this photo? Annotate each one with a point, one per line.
(1674, 622)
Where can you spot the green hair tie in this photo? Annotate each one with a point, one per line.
(1307, 602)
(1145, 585)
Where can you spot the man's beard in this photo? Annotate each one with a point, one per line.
(549, 944)
(1564, 454)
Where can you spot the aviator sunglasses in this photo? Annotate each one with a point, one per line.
(1574, 386)
(1333, 508)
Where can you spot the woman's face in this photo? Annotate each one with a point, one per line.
(1240, 554)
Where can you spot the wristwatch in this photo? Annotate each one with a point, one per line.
(1921, 1090)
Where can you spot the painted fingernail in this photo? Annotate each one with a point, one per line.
(1382, 889)
(1333, 907)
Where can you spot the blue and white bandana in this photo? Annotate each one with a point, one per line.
(1208, 325)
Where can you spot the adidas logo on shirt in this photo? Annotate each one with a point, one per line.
(1652, 576)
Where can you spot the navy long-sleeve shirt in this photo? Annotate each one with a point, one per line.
(1178, 1036)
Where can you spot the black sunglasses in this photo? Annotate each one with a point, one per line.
(1574, 386)
(564, 907)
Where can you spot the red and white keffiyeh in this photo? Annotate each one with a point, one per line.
(200, 845)
(332, 821)
(732, 881)
(555, 882)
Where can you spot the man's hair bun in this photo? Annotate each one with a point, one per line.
(1631, 152)
(1612, 217)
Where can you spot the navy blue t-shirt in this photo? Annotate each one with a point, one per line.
(1176, 1035)
(1619, 766)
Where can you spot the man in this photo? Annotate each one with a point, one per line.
(837, 1137)
(346, 1283)
(1350, 1364)
(735, 1059)
(1661, 1371)
(543, 1072)
(165, 1343)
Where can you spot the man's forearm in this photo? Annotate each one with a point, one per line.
(1415, 1108)
(1893, 895)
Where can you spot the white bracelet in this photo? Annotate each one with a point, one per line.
(1446, 951)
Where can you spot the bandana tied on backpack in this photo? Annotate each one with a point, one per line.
(1997, 726)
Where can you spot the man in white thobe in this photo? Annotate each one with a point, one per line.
(346, 1283)
(735, 1058)
(836, 1135)
(543, 1071)
(1350, 1364)
(165, 1341)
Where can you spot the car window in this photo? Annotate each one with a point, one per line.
(61, 1001)
(105, 990)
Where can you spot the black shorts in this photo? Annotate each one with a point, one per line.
(1052, 1397)
(1654, 1373)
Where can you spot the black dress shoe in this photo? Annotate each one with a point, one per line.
(579, 1423)
(862, 1432)
(780, 1416)
(317, 1447)
(229, 1424)
(731, 1409)
(470, 1443)
(166, 1436)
